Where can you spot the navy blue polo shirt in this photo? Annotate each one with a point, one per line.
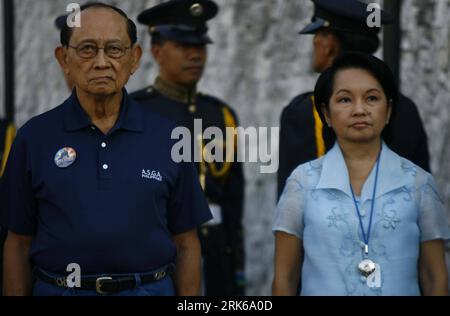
(116, 208)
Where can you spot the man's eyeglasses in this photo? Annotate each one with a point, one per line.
(88, 50)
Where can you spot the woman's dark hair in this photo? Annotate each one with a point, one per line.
(355, 60)
(66, 31)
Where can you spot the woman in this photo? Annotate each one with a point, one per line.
(361, 219)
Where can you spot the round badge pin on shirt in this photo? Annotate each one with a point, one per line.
(65, 157)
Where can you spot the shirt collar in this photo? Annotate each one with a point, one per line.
(130, 117)
(334, 173)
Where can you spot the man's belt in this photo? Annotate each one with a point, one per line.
(108, 284)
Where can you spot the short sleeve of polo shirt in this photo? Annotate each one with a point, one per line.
(19, 203)
(290, 209)
(433, 220)
(188, 207)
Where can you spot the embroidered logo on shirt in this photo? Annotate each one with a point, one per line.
(151, 175)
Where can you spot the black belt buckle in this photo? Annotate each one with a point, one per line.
(99, 283)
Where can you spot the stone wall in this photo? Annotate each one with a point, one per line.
(257, 64)
(426, 79)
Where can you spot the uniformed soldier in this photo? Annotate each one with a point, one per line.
(101, 196)
(7, 134)
(179, 36)
(340, 26)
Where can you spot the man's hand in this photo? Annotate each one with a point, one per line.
(187, 275)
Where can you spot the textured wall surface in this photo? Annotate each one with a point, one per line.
(257, 64)
(426, 79)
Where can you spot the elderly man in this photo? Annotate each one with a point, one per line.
(340, 26)
(179, 37)
(95, 199)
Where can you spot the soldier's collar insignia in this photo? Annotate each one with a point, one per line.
(175, 92)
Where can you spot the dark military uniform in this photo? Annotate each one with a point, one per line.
(7, 133)
(222, 244)
(184, 21)
(303, 136)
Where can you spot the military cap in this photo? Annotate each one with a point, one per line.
(182, 21)
(343, 15)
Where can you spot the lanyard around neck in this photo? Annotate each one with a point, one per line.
(367, 237)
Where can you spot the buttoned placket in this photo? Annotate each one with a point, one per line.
(104, 163)
(104, 159)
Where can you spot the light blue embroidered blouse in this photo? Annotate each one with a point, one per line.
(317, 207)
